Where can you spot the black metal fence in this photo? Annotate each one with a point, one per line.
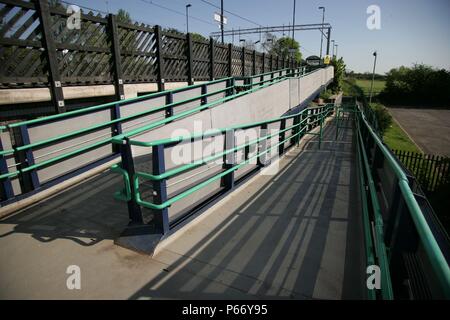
(431, 171)
(40, 48)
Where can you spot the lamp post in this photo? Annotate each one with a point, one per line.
(187, 17)
(373, 76)
(336, 50)
(221, 19)
(293, 28)
(293, 21)
(321, 31)
(332, 48)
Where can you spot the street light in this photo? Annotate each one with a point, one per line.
(321, 31)
(187, 17)
(373, 76)
(293, 27)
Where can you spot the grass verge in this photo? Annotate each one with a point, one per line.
(378, 85)
(397, 139)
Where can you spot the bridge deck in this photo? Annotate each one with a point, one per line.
(295, 235)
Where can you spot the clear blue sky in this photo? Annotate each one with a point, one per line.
(411, 30)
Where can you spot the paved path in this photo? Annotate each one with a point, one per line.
(429, 128)
(296, 235)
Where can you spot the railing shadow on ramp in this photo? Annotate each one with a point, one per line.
(280, 245)
(85, 214)
(288, 227)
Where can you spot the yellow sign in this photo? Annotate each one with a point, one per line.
(327, 59)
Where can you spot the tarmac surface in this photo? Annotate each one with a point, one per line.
(428, 128)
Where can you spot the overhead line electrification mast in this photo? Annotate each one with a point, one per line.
(283, 28)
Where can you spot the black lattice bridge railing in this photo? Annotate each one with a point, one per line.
(40, 49)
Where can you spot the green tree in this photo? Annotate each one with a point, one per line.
(384, 119)
(198, 37)
(339, 73)
(418, 85)
(123, 16)
(282, 48)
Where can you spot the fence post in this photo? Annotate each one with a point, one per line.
(211, 59)
(243, 61)
(263, 65)
(229, 159)
(254, 63)
(54, 77)
(115, 54)
(271, 62)
(160, 189)
(204, 92)
(159, 58)
(190, 66)
(169, 101)
(230, 60)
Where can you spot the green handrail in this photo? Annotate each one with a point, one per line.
(320, 116)
(111, 139)
(120, 195)
(110, 104)
(118, 138)
(198, 163)
(432, 249)
(199, 186)
(216, 131)
(369, 248)
(386, 289)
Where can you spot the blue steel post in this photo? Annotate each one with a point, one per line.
(229, 159)
(117, 127)
(295, 130)
(160, 189)
(7, 190)
(303, 116)
(204, 91)
(262, 146)
(33, 183)
(169, 101)
(232, 85)
(281, 137)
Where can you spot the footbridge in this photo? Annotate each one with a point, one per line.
(230, 189)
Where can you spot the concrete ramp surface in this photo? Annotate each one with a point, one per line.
(295, 235)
